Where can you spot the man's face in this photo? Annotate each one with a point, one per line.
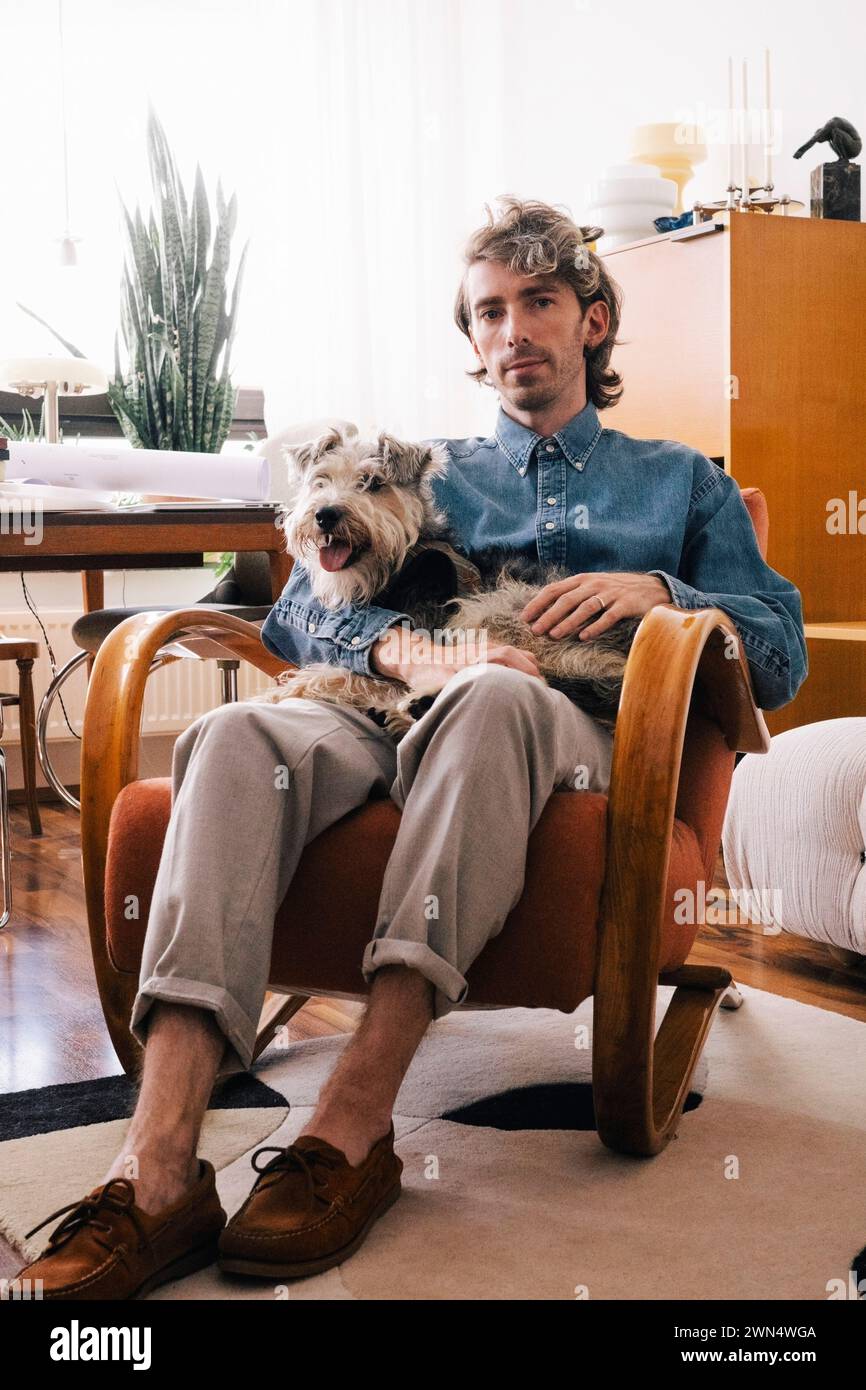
(514, 317)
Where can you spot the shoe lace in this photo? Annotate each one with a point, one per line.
(117, 1195)
(291, 1160)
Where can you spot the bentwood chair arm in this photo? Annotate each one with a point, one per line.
(680, 659)
(109, 757)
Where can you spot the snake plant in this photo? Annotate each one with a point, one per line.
(26, 431)
(177, 393)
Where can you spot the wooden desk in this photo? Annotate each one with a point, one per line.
(93, 541)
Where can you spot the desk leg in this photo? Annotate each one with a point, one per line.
(281, 566)
(93, 591)
(27, 725)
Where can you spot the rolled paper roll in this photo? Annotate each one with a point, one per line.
(170, 472)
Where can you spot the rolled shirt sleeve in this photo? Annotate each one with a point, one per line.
(302, 631)
(722, 567)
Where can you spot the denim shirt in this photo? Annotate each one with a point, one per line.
(587, 498)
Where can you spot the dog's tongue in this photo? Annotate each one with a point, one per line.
(334, 555)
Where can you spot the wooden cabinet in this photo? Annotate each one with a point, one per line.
(749, 342)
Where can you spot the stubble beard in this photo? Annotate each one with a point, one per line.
(531, 397)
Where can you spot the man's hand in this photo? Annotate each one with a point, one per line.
(427, 665)
(559, 609)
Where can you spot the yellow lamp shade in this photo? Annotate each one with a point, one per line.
(673, 148)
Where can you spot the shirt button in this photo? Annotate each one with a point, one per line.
(550, 448)
(354, 642)
(551, 501)
(311, 627)
(549, 525)
(580, 465)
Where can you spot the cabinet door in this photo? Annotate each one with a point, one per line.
(798, 421)
(673, 340)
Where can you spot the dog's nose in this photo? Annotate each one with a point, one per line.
(327, 517)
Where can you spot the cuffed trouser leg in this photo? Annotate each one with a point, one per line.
(473, 777)
(252, 784)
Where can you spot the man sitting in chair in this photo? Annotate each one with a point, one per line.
(471, 777)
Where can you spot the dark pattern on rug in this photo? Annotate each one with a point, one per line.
(561, 1105)
(66, 1106)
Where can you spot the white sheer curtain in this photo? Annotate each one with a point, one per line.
(384, 145)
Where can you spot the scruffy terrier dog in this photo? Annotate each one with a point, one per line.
(365, 525)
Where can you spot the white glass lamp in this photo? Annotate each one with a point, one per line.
(52, 377)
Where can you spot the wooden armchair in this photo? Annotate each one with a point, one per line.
(597, 916)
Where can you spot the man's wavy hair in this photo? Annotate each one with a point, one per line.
(535, 239)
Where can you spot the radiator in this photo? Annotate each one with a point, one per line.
(175, 694)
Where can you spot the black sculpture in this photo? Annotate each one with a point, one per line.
(840, 135)
(835, 186)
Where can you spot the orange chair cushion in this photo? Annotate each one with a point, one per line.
(544, 956)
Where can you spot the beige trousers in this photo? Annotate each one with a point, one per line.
(252, 784)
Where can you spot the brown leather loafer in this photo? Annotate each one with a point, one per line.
(309, 1209)
(107, 1247)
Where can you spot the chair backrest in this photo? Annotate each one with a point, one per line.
(756, 504)
(247, 581)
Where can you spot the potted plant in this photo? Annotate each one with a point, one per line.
(177, 392)
(178, 330)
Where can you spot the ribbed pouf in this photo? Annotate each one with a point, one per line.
(794, 837)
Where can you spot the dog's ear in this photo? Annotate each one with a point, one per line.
(409, 463)
(302, 456)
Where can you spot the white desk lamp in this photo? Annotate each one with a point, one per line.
(52, 377)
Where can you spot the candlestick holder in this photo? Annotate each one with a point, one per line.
(736, 202)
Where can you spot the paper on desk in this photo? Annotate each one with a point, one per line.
(33, 492)
(172, 472)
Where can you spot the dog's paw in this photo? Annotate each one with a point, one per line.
(398, 722)
(413, 706)
(420, 705)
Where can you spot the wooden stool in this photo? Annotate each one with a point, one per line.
(24, 654)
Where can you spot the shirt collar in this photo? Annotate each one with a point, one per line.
(577, 438)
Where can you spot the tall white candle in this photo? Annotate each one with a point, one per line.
(730, 121)
(745, 131)
(768, 162)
